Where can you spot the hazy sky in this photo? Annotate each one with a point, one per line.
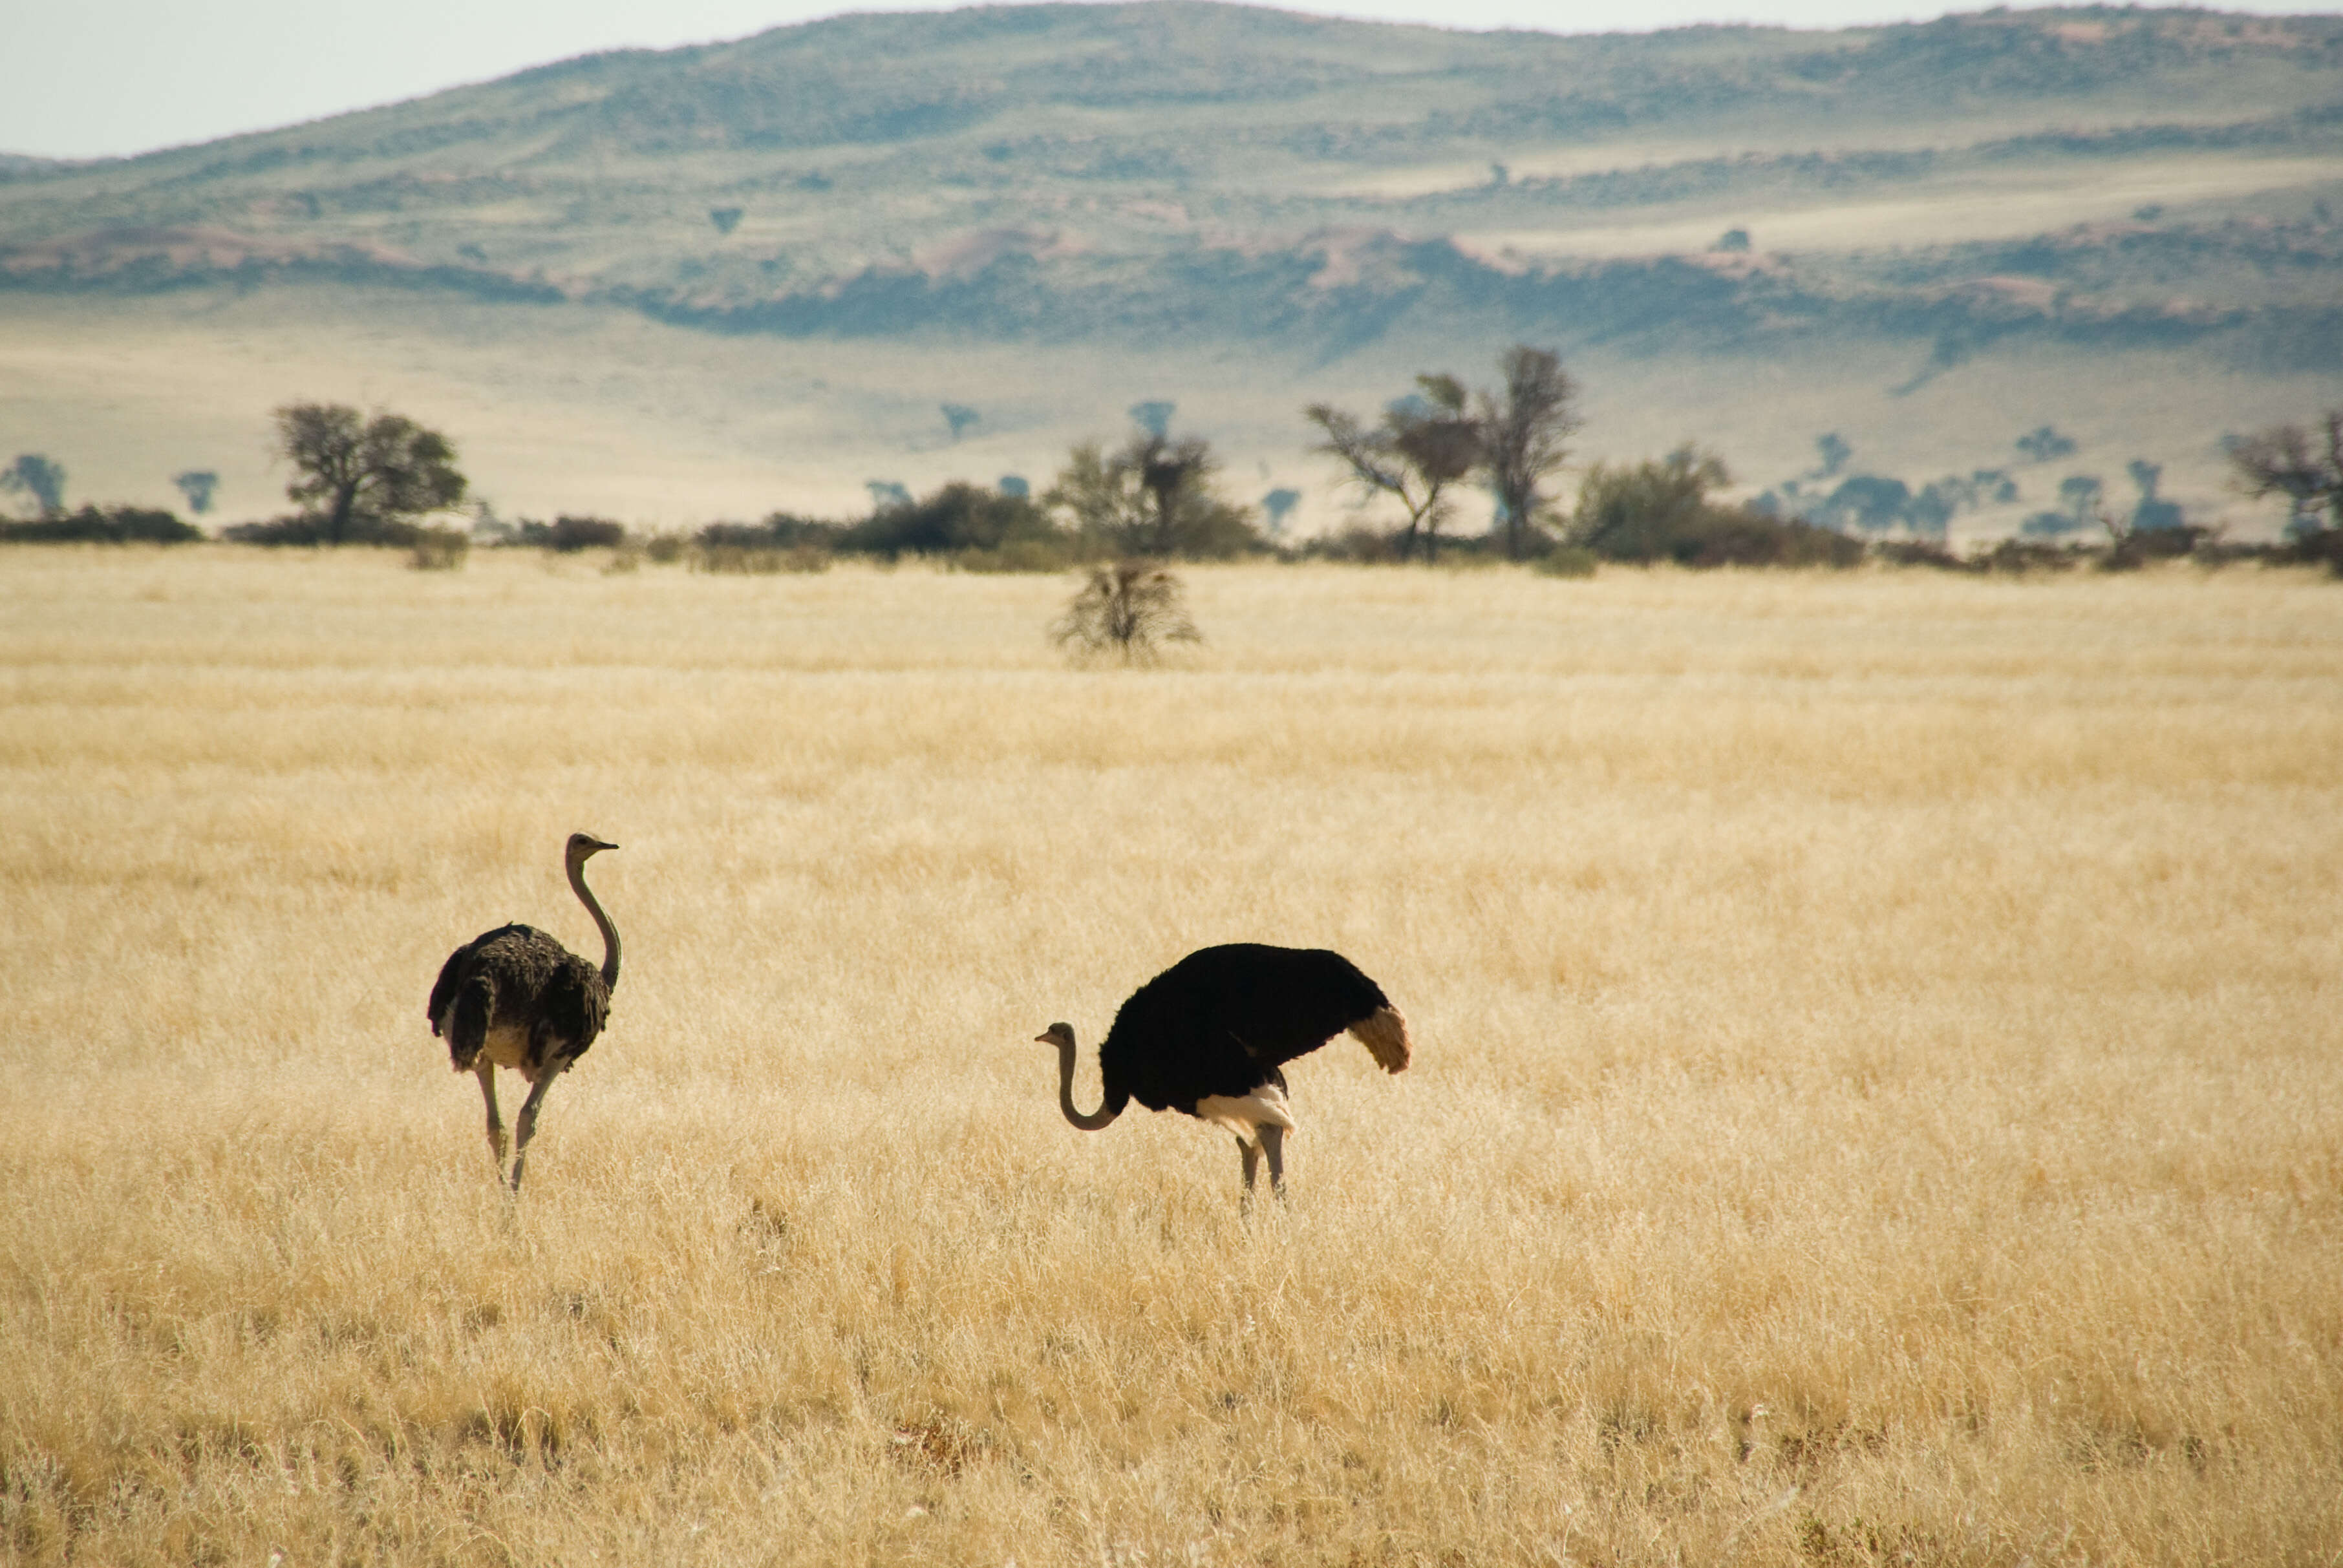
(90, 78)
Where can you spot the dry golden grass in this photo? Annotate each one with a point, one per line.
(1879, 1094)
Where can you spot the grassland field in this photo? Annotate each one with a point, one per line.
(1878, 1095)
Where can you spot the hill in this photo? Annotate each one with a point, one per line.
(771, 259)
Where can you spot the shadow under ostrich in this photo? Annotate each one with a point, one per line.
(1209, 1036)
(514, 997)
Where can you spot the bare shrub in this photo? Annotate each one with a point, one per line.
(1126, 609)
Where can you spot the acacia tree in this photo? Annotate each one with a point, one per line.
(1154, 414)
(39, 477)
(2285, 460)
(2044, 444)
(1424, 443)
(387, 469)
(1171, 473)
(1099, 497)
(1834, 450)
(198, 485)
(1276, 504)
(1525, 429)
(1151, 497)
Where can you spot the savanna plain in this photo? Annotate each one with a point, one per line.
(1878, 1091)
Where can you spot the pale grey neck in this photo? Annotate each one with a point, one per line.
(1096, 1119)
(609, 932)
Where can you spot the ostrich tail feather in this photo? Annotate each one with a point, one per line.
(1384, 1032)
(469, 1020)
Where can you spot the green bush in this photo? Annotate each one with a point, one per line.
(1930, 553)
(1034, 555)
(103, 526)
(1660, 511)
(1359, 545)
(297, 528)
(293, 529)
(1737, 536)
(958, 519)
(781, 543)
(1568, 561)
(2138, 546)
(567, 536)
(759, 560)
(2313, 547)
(2018, 556)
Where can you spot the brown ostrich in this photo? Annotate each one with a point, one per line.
(516, 997)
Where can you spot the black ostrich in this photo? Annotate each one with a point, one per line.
(516, 997)
(1209, 1036)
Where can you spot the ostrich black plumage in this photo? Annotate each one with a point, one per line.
(1209, 1035)
(516, 997)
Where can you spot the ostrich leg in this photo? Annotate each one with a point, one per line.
(525, 1124)
(1272, 1143)
(486, 1071)
(1251, 1152)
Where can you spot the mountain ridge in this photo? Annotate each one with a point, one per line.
(546, 163)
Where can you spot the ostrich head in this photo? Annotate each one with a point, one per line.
(584, 845)
(1062, 1035)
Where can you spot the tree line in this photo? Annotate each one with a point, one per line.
(381, 478)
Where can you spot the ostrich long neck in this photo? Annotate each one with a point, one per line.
(609, 932)
(1096, 1119)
